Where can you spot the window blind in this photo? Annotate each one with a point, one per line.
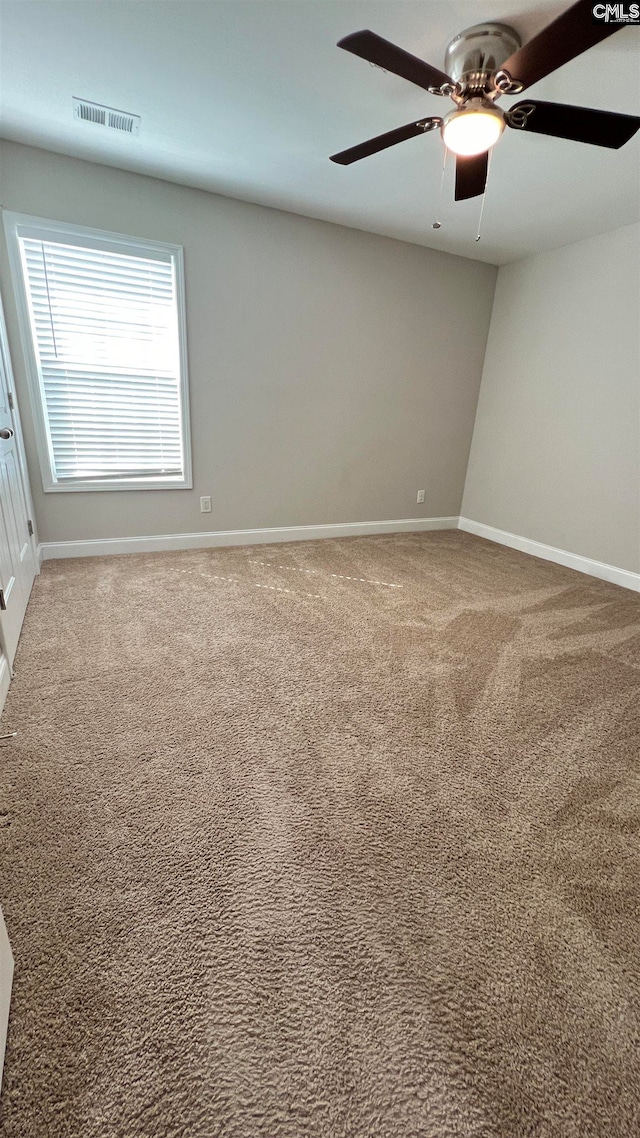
(105, 330)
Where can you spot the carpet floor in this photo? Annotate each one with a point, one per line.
(326, 840)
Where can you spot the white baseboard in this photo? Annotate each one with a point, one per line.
(39, 555)
(158, 543)
(600, 569)
(99, 547)
(5, 679)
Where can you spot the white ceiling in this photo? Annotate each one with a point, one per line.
(249, 97)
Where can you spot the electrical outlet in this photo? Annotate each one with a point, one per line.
(420, 497)
(205, 505)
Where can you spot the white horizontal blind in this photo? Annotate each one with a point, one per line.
(105, 328)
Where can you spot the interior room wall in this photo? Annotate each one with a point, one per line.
(555, 455)
(332, 373)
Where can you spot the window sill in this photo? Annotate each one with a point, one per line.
(115, 485)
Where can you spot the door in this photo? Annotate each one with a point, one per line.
(18, 562)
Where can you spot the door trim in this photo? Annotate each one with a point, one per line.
(5, 364)
(5, 678)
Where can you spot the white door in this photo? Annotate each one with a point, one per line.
(18, 563)
(18, 566)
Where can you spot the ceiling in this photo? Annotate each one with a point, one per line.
(249, 97)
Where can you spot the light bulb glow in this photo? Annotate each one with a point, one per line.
(472, 130)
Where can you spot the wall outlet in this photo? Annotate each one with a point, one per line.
(205, 505)
(420, 497)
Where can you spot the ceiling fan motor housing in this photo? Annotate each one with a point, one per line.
(473, 56)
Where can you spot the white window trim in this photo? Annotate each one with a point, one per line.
(22, 225)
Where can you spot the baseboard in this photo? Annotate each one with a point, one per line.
(99, 547)
(39, 555)
(5, 679)
(600, 569)
(158, 543)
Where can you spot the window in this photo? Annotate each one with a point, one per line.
(102, 320)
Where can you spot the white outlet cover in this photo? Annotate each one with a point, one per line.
(205, 505)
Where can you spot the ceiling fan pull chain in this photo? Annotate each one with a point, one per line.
(438, 224)
(484, 194)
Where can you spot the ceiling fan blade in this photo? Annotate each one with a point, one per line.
(373, 145)
(573, 32)
(377, 50)
(582, 124)
(471, 175)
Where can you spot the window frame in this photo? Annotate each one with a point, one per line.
(19, 225)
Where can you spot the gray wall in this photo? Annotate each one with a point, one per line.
(332, 373)
(556, 445)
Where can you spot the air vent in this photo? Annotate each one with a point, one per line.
(106, 116)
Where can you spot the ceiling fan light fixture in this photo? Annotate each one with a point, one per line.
(472, 129)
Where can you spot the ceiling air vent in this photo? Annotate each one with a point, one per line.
(106, 116)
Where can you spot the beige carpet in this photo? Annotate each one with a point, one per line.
(326, 840)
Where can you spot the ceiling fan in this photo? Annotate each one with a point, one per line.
(483, 63)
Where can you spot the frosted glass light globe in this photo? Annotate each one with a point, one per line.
(472, 129)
